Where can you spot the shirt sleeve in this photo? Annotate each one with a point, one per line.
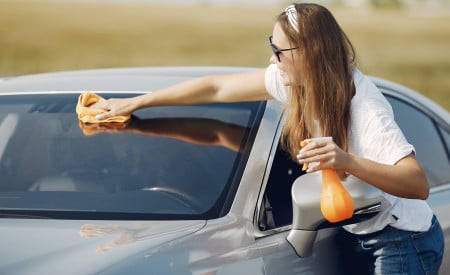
(274, 85)
(374, 133)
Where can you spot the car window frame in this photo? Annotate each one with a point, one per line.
(219, 209)
(258, 208)
(437, 122)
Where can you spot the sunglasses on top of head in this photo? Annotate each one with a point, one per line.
(277, 51)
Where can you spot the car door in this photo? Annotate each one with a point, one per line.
(274, 221)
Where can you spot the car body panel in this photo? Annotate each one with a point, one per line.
(438, 201)
(81, 247)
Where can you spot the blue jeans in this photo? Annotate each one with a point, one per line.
(393, 251)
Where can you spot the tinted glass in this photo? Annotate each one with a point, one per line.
(422, 132)
(167, 162)
(446, 136)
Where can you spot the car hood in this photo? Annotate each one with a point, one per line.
(81, 247)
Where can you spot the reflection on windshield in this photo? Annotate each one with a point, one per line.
(7, 128)
(153, 165)
(192, 130)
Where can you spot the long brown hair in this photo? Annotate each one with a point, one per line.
(327, 79)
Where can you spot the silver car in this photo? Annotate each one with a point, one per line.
(199, 189)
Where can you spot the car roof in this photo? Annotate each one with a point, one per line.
(117, 79)
(413, 97)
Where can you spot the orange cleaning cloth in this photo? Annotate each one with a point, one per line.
(90, 129)
(87, 115)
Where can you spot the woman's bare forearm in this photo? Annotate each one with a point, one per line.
(209, 89)
(404, 179)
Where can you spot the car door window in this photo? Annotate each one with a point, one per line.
(421, 131)
(446, 136)
(277, 203)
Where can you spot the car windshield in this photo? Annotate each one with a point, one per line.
(181, 162)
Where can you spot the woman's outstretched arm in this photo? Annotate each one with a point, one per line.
(249, 86)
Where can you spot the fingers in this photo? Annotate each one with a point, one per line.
(315, 149)
(101, 104)
(320, 161)
(103, 116)
(112, 107)
(320, 151)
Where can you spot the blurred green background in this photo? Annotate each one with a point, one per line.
(411, 47)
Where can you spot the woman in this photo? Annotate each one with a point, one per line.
(313, 73)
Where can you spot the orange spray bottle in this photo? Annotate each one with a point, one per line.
(336, 203)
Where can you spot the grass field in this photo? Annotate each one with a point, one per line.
(410, 48)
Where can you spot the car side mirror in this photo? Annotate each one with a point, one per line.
(307, 217)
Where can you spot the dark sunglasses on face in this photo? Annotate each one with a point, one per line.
(277, 51)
